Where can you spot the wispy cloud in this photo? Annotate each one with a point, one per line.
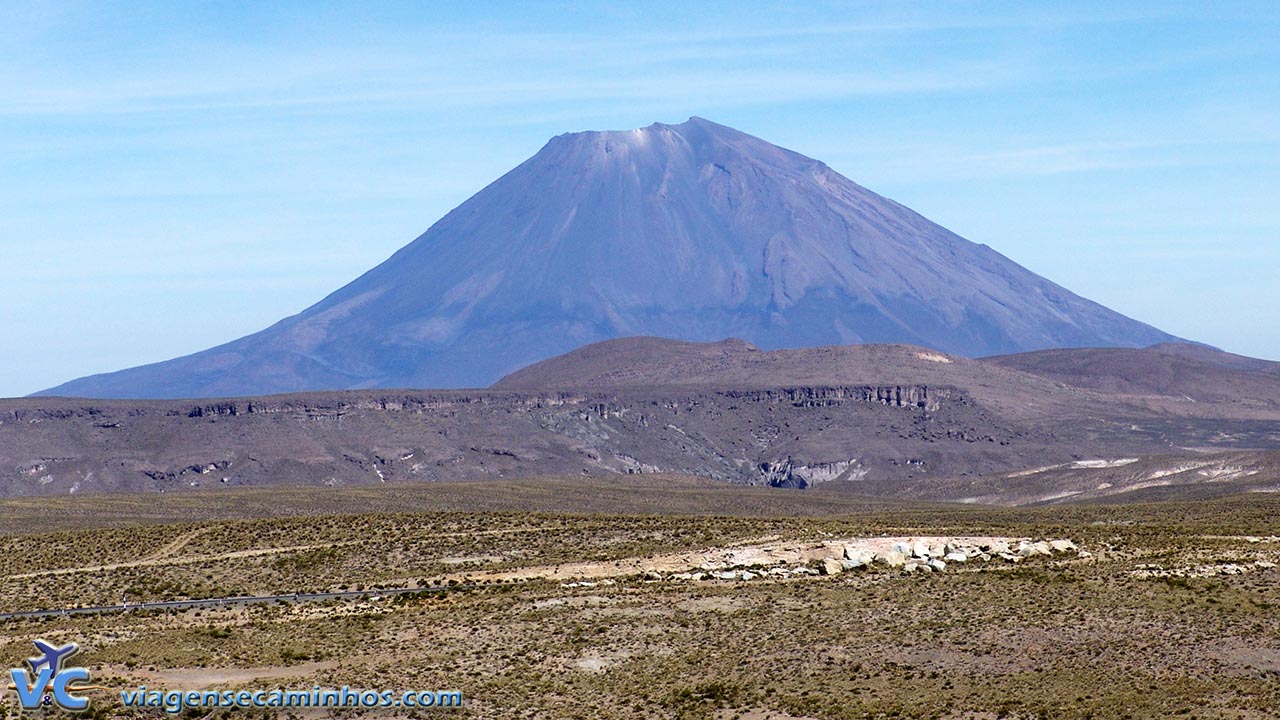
(306, 82)
(453, 68)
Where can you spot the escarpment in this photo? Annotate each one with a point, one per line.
(377, 436)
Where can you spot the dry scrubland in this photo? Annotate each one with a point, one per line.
(1177, 612)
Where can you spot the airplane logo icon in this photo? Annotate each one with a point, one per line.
(53, 657)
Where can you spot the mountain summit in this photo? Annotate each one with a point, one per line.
(693, 231)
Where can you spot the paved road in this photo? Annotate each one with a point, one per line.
(228, 601)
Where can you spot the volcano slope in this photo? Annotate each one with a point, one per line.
(693, 231)
(891, 421)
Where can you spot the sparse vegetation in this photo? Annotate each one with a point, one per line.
(1133, 631)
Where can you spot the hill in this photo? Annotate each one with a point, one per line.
(1189, 372)
(886, 421)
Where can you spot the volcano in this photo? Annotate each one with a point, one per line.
(693, 231)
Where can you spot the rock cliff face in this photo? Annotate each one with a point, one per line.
(693, 231)
(789, 436)
(915, 441)
(922, 425)
(788, 474)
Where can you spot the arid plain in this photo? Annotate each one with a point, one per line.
(583, 598)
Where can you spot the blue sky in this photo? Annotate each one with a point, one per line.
(176, 175)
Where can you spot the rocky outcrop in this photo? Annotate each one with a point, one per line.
(936, 554)
(788, 473)
(836, 557)
(915, 396)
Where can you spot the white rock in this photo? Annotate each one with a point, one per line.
(832, 566)
(1062, 545)
(856, 562)
(938, 565)
(919, 549)
(1029, 549)
(893, 558)
(955, 556)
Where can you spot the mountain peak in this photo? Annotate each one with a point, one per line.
(693, 231)
(692, 135)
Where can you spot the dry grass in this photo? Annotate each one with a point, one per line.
(1044, 638)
